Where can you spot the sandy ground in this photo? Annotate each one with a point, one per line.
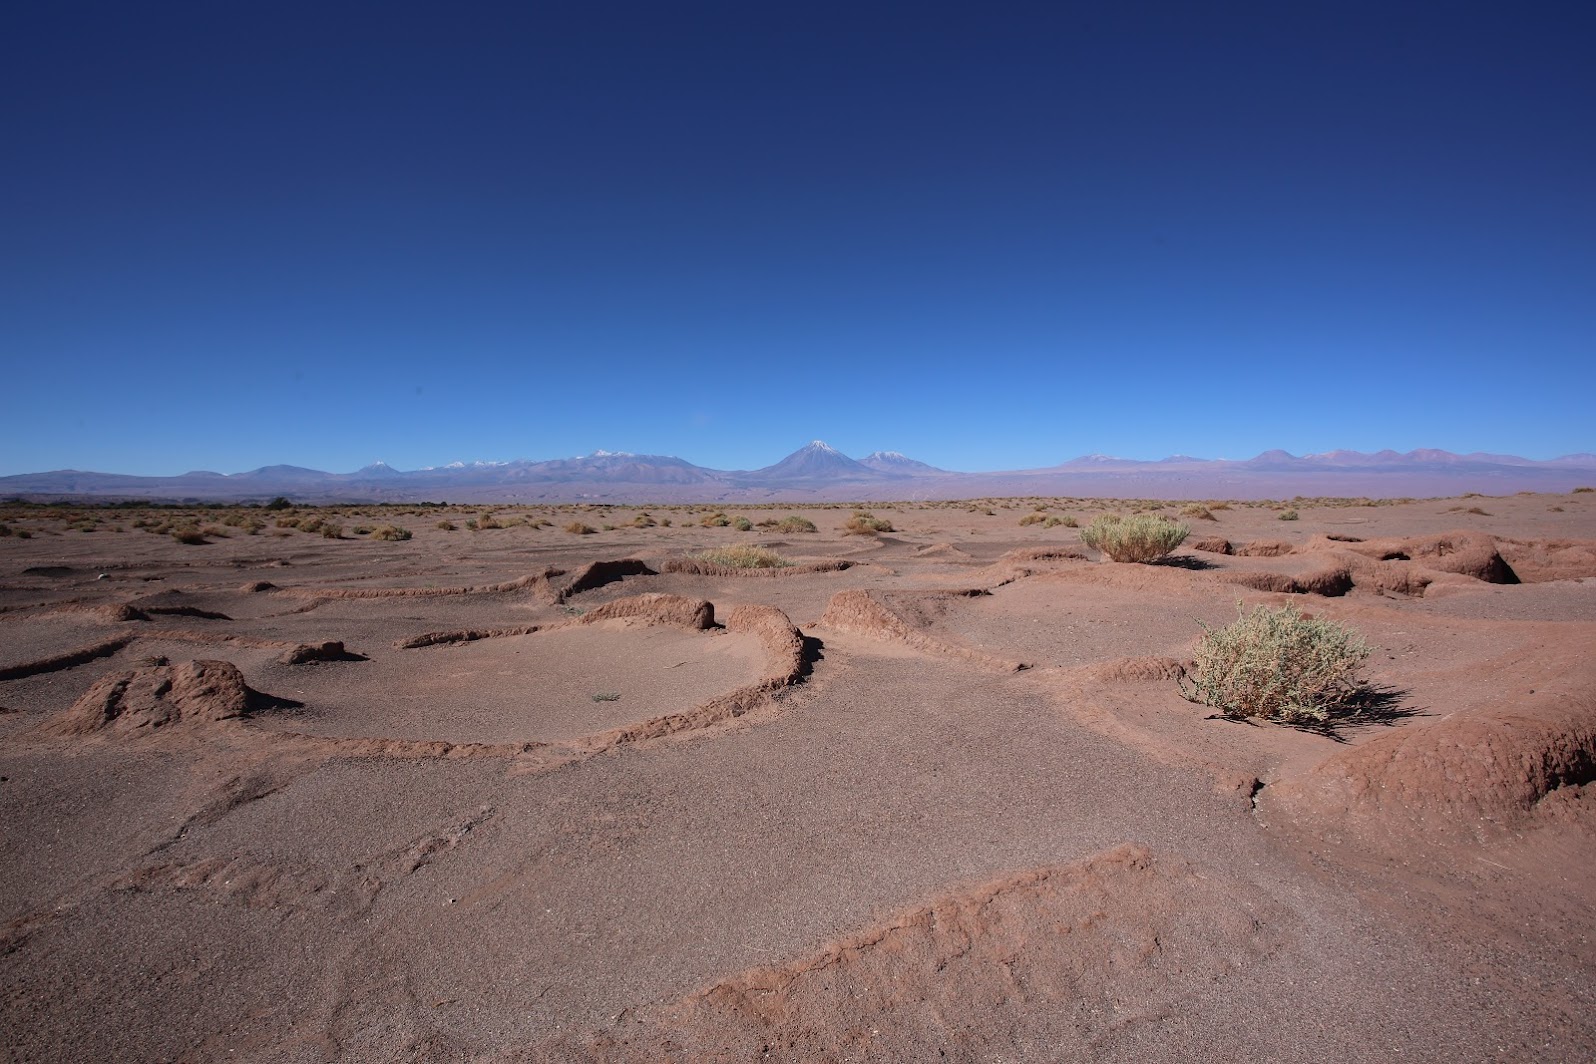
(485, 795)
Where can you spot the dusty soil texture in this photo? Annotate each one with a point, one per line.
(272, 789)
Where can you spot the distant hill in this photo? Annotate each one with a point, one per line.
(819, 472)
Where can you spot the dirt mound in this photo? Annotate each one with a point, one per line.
(597, 574)
(155, 696)
(1043, 554)
(788, 663)
(862, 612)
(1331, 581)
(1264, 548)
(1212, 545)
(104, 648)
(257, 587)
(463, 635)
(699, 567)
(656, 608)
(1471, 554)
(1538, 560)
(944, 550)
(1133, 670)
(1471, 775)
(1065, 954)
(330, 650)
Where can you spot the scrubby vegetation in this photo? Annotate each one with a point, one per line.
(742, 556)
(1288, 515)
(577, 528)
(390, 532)
(1278, 664)
(795, 524)
(1138, 538)
(865, 523)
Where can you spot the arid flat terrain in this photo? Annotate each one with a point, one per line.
(277, 789)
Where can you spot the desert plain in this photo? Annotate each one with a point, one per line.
(277, 789)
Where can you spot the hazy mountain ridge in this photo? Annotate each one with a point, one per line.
(819, 472)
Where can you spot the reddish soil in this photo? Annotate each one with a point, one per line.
(521, 795)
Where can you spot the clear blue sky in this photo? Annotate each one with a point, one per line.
(989, 236)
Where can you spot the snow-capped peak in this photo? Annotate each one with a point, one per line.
(821, 445)
(612, 454)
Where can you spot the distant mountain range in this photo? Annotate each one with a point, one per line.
(817, 472)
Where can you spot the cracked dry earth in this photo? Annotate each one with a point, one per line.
(517, 795)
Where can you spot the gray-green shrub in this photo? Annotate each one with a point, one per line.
(1138, 538)
(1278, 664)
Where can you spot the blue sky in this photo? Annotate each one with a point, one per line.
(989, 236)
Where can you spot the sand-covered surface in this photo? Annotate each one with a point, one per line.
(522, 794)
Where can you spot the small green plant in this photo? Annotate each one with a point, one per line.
(390, 532)
(1138, 538)
(865, 523)
(795, 524)
(742, 524)
(1277, 664)
(607, 696)
(742, 556)
(1287, 515)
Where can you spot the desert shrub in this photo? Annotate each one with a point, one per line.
(742, 524)
(287, 522)
(1138, 538)
(1278, 664)
(607, 696)
(390, 532)
(865, 523)
(577, 528)
(664, 522)
(1288, 515)
(446, 526)
(191, 536)
(715, 520)
(1032, 519)
(794, 524)
(1198, 513)
(1554, 509)
(361, 530)
(643, 521)
(1580, 491)
(1054, 521)
(5, 530)
(331, 530)
(278, 503)
(488, 521)
(742, 556)
(1219, 506)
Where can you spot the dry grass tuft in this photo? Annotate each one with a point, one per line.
(865, 523)
(742, 556)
